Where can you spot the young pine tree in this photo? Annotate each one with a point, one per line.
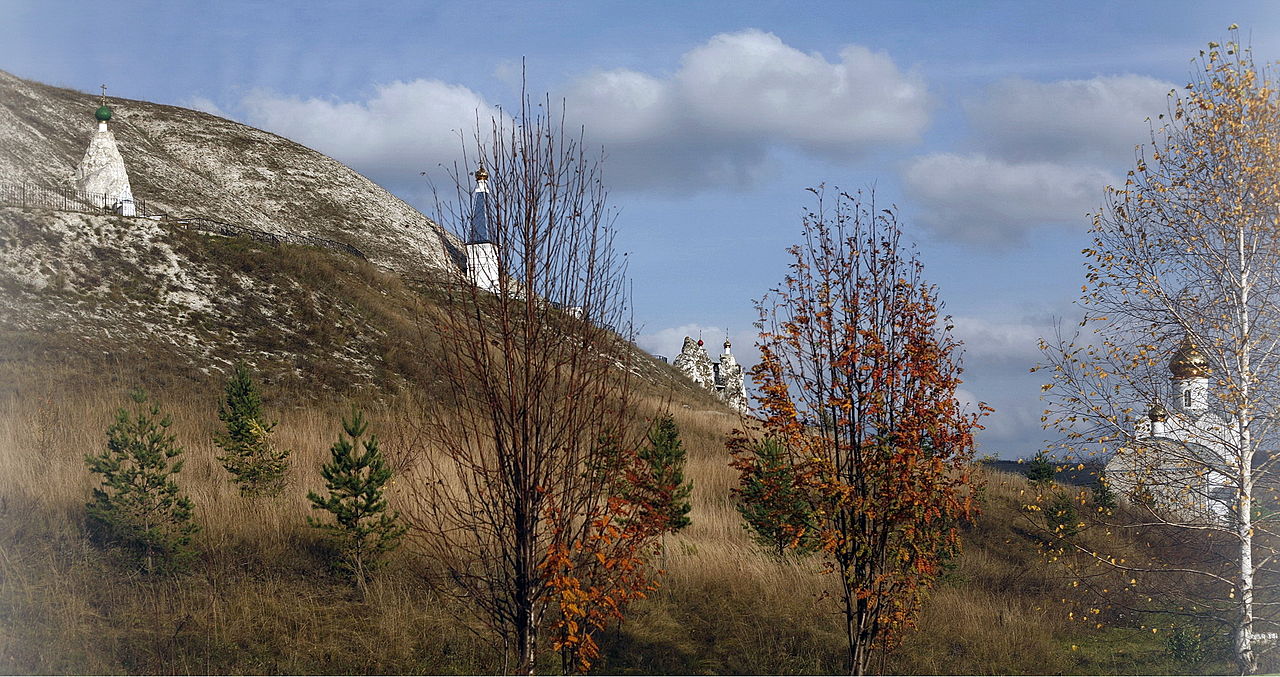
(138, 506)
(1040, 469)
(665, 457)
(771, 497)
(363, 528)
(256, 464)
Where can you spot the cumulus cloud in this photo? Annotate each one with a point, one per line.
(1047, 150)
(713, 122)
(403, 128)
(983, 200)
(203, 104)
(1098, 120)
(998, 341)
(734, 99)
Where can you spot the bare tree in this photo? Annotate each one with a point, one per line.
(530, 438)
(1184, 277)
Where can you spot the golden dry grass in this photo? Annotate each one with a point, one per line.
(261, 596)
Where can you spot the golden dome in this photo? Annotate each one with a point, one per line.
(481, 174)
(1158, 413)
(1188, 362)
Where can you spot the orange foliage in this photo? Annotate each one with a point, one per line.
(596, 572)
(858, 382)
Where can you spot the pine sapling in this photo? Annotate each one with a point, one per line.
(772, 497)
(363, 528)
(665, 456)
(1040, 469)
(138, 506)
(257, 465)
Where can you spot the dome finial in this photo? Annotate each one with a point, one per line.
(1158, 413)
(1188, 361)
(103, 113)
(481, 174)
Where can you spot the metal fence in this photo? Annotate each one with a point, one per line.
(66, 199)
(69, 199)
(231, 229)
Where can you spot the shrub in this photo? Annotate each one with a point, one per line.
(772, 499)
(1040, 469)
(138, 506)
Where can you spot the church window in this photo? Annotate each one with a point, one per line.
(1186, 398)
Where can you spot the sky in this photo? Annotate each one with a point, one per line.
(994, 127)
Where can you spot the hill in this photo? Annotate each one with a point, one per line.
(186, 163)
(92, 304)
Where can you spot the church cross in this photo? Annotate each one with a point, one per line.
(104, 94)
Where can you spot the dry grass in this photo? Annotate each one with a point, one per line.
(261, 596)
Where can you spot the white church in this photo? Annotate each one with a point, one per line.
(724, 378)
(1181, 458)
(482, 253)
(101, 178)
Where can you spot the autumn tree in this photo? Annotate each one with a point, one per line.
(1184, 276)
(534, 430)
(858, 376)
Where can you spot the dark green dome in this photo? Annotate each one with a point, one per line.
(103, 114)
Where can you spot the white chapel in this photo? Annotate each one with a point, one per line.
(1181, 458)
(101, 178)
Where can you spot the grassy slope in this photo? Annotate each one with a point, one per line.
(261, 597)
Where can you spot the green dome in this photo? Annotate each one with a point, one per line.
(103, 113)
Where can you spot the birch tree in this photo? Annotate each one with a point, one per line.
(1185, 264)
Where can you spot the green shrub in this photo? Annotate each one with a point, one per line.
(665, 457)
(1040, 469)
(773, 501)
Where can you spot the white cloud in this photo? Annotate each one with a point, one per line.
(982, 200)
(735, 98)
(402, 129)
(203, 104)
(998, 341)
(1047, 150)
(713, 122)
(1099, 120)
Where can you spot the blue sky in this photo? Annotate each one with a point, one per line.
(994, 126)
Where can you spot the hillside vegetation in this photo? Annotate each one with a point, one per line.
(93, 305)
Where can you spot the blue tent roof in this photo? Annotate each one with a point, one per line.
(479, 220)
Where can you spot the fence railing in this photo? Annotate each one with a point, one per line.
(66, 199)
(206, 225)
(28, 195)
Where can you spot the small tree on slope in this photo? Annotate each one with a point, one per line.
(257, 465)
(772, 499)
(665, 456)
(138, 505)
(363, 528)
